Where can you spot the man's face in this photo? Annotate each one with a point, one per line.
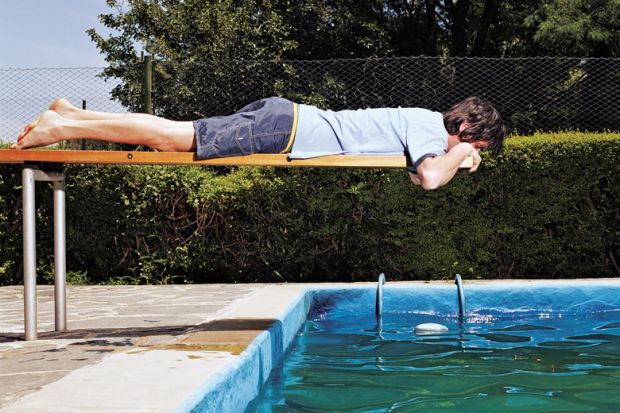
(480, 145)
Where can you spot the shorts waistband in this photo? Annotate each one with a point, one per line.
(291, 138)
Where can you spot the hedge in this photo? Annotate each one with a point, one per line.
(548, 208)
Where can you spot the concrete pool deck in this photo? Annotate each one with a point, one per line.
(129, 348)
(137, 348)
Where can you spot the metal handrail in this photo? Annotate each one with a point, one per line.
(379, 297)
(461, 296)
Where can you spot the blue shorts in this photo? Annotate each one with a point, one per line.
(265, 126)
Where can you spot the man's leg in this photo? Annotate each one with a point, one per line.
(130, 128)
(64, 108)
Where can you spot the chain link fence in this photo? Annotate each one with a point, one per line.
(544, 93)
(25, 93)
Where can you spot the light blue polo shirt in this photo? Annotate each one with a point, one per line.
(420, 133)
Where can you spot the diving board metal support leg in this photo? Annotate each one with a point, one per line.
(31, 174)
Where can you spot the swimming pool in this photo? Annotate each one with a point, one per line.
(522, 347)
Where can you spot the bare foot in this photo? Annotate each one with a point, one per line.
(43, 133)
(64, 108)
(28, 128)
(61, 106)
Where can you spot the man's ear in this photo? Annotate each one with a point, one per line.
(464, 125)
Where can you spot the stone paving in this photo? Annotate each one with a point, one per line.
(104, 320)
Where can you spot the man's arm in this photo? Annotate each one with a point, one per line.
(439, 170)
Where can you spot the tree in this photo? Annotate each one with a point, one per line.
(578, 28)
(198, 46)
(181, 35)
(187, 37)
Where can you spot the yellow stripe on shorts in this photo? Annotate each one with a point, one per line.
(291, 138)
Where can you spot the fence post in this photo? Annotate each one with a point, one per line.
(83, 141)
(147, 84)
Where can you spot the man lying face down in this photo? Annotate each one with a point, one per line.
(436, 143)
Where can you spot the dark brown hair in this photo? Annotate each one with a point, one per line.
(483, 123)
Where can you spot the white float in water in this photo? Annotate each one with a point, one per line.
(430, 328)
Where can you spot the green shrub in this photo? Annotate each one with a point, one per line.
(548, 208)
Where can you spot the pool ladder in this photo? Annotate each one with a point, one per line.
(459, 289)
(461, 297)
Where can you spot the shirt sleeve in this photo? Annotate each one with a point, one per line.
(427, 139)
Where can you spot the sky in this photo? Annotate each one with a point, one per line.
(37, 39)
(50, 33)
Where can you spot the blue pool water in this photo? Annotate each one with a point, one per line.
(521, 349)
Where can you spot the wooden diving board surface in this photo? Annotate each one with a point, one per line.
(189, 158)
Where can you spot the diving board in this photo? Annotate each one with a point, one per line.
(189, 158)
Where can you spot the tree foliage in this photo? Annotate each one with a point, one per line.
(579, 27)
(188, 36)
(320, 29)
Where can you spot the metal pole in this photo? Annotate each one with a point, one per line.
(60, 260)
(83, 141)
(147, 85)
(379, 304)
(461, 297)
(30, 255)
(379, 296)
(30, 175)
